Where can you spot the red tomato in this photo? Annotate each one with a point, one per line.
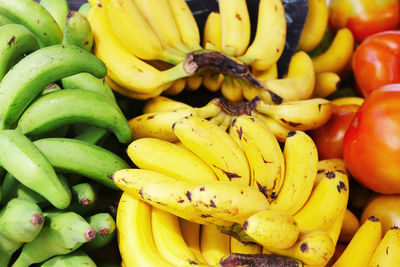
(329, 137)
(364, 17)
(371, 148)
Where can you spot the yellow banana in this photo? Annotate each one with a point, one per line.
(214, 244)
(388, 251)
(334, 230)
(135, 32)
(327, 201)
(231, 89)
(350, 227)
(270, 37)
(268, 74)
(228, 201)
(272, 229)
(212, 32)
(325, 84)
(214, 146)
(235, 26)
(213, 81)
(349, 100)
(162, 103)
(244, 248)
(191, 235)
(250, 92)
(314, 26)
(219, 119)
(333, 164)
(279, 130)
(266, 162)
(226, 123)
(301, 160)
(362, 246)
(167, 158)
(186, 23)
(176, 88)
(194, 82)
(338, 55)
(135, 240)
(300, 115)
(168, 238)
(297, 85)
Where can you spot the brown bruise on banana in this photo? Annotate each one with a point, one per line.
(330, 175)
(290, 123)
(304, 247)
(12, 40)
(230, 175)
(291, 133)
(341, 187)
(263, 189)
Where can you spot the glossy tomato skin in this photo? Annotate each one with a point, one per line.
(364, 17)
(371, 148)
(329, 137)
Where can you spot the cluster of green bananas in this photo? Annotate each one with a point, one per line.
(220, 168)
(55, 109)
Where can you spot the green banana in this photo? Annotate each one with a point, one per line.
(58, 10)
(62, 233)
(76, 258)
(75, 156)
(51, 88)
(20, 157)
(33, 73)
(84, 197)
(85, 8)
(4, 20)
(92, 135)
(20, 220)
(7, 249)
(15, 41)
(69, 106)
(35, 18)
(104, 225)
(78, 31)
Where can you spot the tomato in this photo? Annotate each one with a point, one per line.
(384, 207)
(371, 148)
(329, 137)
(364, 17)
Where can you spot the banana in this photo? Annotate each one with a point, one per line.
(134, 31)
(300, 115)
(313, 248)
(84, 197)
(39, 21)
(214, 146)
(124, 68)
(338, 55)
(75, 156)
(235, 26)
(33, 73)
(270, 38)
(243, 248)
(212, 32)
(301, 161)
(7, 249)
(4, 20)
(37, 173)
(161, 103)
(349, 228)
(15, 41)
(327, 201)
(76, 258)
(161, 19)
(106, 230)
(62, 233)
(213, 81)
(366, 239)
(214, 244)
(279, 130)
(135, 239)
(231, 89)
(333, 164)
(387, 252)
(314, 26)
(268, 74)
(228, 201)
(297, 85)
(77, 31)
(84, 8)
(350, 100)
(168, 238)
(176, 87)
(272, 228)
(334, 230)
(162, 156)
(266, 162)
(187, 25)
(325, 84)
(78, 106)
(191, 234)
(194, 82)
(58, 10)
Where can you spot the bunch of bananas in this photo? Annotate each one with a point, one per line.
(221, 168)
(54, 108)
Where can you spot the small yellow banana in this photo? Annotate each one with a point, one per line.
(279, 130)
(268, 74)
(212, 32)
(162, 103)
(349, 228)
(325, 84)
(135, 94)
(334, 230)
(213, 81)
(388, 251)
(191, 235)
(176, 88)
(244, 248)
(194, 82)
(214, 244)
(231, 89)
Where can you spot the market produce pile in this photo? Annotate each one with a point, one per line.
(266, 138)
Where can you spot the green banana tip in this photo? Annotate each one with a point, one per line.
(85, 202)
(90, 234)
(37, 219)
(103, 231)
(111, 176)
(70, 15)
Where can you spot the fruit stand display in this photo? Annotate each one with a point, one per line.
(199, 133)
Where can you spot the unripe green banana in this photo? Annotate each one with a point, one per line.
(77, 31)
(69, 106)
(84, 197)
(62, 233)
(75, 156)
(92, 134)
(20, 220)
(58, 9)
(20, 157)
(4, 20)
(33, 73)
(7, 248)
(15, 41)
(76, 258)
(51, 88)
(104, 225)
(35, 18)
(85, 8)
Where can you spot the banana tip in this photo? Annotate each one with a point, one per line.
(103, 231)
(37, 219)
(90, 234)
